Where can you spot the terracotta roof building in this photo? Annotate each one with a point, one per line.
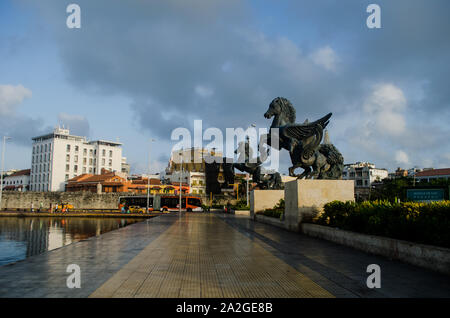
(113, 182)
(17, 181)
(428, 175)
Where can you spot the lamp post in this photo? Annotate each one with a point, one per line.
(248, 175)
(3, 163)
(148, 176)
(181, 176)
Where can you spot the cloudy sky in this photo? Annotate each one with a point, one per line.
(137, 69)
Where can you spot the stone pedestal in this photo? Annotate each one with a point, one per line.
(264, 199)
(305, 198)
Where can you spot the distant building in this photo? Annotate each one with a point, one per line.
(109, 181)
(17, 181)
(125, 167)
(364, 174)
(193, 163)
(59, 156)
(433, 174)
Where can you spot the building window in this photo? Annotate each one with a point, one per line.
(67, 168)
(75, 168)
(103, 161)
(110, 162)
(76, 148)
(45, 148)
(90, 170)
(68, 147)
(34, 149)
(67, 177)
(84, 169)
(110, 153)
(49, 147)
(67, 158)
(90, 152)
(84, 161)
(103, 152)
(75, 158)
(90, 161)
(85, 151)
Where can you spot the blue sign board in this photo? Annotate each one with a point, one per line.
(425, 195)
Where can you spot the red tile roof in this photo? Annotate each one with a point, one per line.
(25, 172)
(434, 172)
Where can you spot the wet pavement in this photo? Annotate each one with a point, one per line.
(213, 255)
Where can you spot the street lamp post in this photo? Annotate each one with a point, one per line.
(248, 175)
(3, 163)
(181, 176)
(148, 176)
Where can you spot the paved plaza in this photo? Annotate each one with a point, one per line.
(213, 255)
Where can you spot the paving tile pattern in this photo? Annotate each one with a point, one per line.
(202, 256)
(340, 269)
(213, 255)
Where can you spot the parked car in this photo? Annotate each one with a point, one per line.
(136, 209)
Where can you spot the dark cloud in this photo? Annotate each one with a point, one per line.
(210, 60)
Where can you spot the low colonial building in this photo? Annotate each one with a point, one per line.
(364, 174)
(433, 174)
(17, 181)
(109, 181)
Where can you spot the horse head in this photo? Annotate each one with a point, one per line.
(282, 109)
(274, 108)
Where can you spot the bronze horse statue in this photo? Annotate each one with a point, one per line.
(303, 141)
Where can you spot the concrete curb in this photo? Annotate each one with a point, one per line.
(269, 220)
(426, 256)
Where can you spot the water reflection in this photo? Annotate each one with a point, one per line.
(24, 237)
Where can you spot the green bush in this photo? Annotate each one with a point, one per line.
(427, 223)
(241, 205)
(277, 211)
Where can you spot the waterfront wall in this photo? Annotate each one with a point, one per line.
(80, 200)
(427, 256)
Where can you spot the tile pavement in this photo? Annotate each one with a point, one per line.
(213, 255)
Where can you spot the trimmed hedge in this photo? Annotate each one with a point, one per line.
(277, 211)
(426, 223)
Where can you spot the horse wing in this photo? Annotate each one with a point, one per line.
(306, 130)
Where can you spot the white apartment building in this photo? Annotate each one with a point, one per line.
(59, 156)
(364, 173)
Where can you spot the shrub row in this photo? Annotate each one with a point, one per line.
(426, 223)
(276, 211)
